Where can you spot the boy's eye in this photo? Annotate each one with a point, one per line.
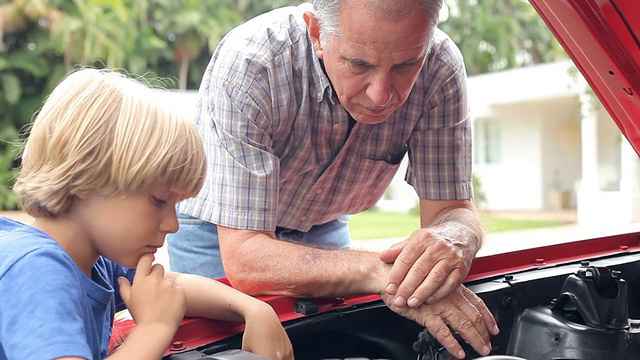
(157, 200)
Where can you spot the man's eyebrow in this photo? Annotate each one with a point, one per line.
(412, 61)
(362, 62)
(357, 61)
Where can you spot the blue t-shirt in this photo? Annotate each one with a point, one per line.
(48, 307)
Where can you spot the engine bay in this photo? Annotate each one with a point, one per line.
(583, 310)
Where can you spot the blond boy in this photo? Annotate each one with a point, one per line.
(102, 170)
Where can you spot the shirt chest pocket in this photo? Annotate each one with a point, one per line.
(391, 155)
(362, 181)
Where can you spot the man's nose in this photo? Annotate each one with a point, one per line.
(379, 90)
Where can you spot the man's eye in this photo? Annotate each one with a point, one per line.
(158, 201)
(406, 66)
(359, 68)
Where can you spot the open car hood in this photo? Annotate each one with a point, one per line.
(602, 38)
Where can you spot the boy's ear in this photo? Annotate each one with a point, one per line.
(314, 32)
(80, 196)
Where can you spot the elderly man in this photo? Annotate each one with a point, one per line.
(306, 113)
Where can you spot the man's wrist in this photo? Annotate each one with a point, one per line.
(460, 233)
(461, 226)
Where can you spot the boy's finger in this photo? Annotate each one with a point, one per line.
(144, 265)
(125, 289)
(158, 270)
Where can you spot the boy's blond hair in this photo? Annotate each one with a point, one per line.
(101, 132)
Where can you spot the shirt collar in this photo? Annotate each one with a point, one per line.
(321, 81)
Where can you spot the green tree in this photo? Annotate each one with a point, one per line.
(41, 40)
(25, 71)
(88, 30)
(499, 34)
(190, 26)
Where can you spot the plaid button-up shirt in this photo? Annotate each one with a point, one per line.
(279, 148)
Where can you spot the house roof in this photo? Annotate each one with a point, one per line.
(526, 84)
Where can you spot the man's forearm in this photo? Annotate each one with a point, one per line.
(261, 265)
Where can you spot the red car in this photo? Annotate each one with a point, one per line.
(577, 300)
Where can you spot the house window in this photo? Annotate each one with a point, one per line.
(487, 142)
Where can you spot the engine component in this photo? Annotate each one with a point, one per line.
(428, 348)
(589, 320)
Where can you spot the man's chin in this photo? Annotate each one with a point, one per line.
(372, 119)
(365, 116)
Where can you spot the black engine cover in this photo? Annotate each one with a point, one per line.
(588, 321)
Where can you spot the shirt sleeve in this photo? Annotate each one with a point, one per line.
(440, 147)
(32, 326)
(241, 186)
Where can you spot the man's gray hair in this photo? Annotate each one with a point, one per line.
(326, 12)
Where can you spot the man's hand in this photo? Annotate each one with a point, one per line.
(430, 264)
(463, 310)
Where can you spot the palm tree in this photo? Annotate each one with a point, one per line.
(90, 30)
(191, 25)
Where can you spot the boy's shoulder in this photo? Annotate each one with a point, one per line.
(16, 234)
(18, 240)
(23, 246)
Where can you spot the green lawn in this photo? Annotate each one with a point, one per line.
(494, 224)
(373, 224)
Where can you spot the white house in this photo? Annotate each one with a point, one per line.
(543, 141)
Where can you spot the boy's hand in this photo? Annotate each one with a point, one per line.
(264, 334)
(153, 299)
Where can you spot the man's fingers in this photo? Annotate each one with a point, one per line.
(469, 324)
(433, 320)
(431, 291)
(401, 267)
(487, 317)
(441, 332)
(471, 319)
(428, 284)
(391, 254)
(463, 310)
(416, 279)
